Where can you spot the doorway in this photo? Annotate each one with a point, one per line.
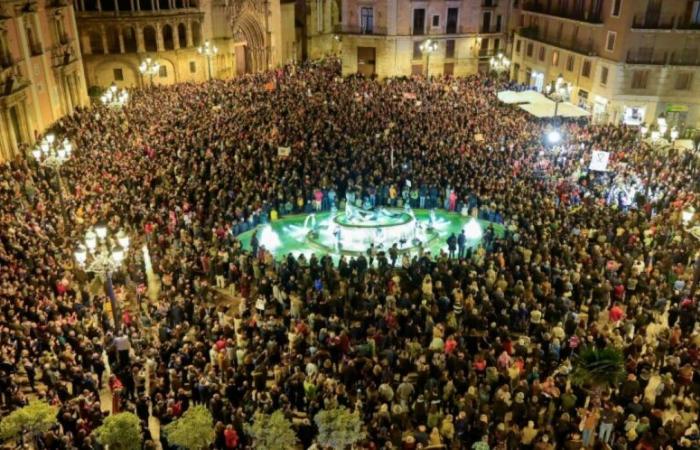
(366, 61)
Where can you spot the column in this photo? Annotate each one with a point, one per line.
(131, 2)
(85, 43)
(138, 5)
(176, 35)
(67, 94)
(140, 46)
(103, 35)
(189, 35)
(121, 41)
(159, 38)
(99, 5)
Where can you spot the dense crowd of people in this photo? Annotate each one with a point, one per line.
(467, 350)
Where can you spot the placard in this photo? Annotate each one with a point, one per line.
(284, 152)
(599, 161)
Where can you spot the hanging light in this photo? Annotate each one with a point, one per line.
(117, 255)
(123, 239)
(50, 138)
(101, 231)
(91, 240)
(36, 153)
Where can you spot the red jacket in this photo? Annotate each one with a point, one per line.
(231, 438)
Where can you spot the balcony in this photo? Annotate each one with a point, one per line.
(579, 16)
(679, 59)
(647, 58)
(357, 29)
(584, 48)
(489, 3)
(653, 22)
(490, 29)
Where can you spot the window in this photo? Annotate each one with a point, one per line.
(517, 46)
(555, 58)
(163, 71)
(496, 45)
(436, 21)
(419, 21)
(193, 67)
(570, 61)
(499, 23)
(683, 81)
(450, 48)
(639, 79)
(603, 75)
(417, 53)
(118, 75)
(586, 69)
(367, 20)
(616, 7)
(610, 43)
(451, 25)
(542, 53)
(529, 49)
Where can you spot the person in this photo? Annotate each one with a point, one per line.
(452, 245)
(461, 244)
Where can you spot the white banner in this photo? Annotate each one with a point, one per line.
(599, 161)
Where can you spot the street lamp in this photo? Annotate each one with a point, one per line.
(52, 154)
(554, 137)
(149, 67)
(499, 63)
(103, 255)
(560, 93)
(428, 46)
(208, 50)
(114, 97)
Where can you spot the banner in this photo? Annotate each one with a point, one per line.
(284, 152)
(409, 95)
(599, 161)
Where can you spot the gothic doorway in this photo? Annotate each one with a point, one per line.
(252, 55)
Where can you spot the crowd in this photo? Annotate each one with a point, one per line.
(468, 350)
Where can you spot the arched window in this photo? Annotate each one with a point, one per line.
(113, 40)
(182, 35)
(95, 42)
(196, 34)
(168, 41)
(150, 41)
(129, 35)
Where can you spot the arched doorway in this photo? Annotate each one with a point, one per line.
(252, 55)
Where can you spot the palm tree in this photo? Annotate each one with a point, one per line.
(598, 369)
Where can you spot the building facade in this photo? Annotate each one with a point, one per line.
(117, 35)
(383, 38)
(626, 60)
(41, 70)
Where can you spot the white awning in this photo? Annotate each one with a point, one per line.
(544, 110)
(513, 98)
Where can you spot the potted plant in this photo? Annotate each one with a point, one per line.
(598, 369)
(37, 417)
(272, 431)
(338, 428)
(120, 432)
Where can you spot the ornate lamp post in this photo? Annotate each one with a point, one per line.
(149, 67)
(208, 50)
(52, 154)
(114, 97)
(499, 64)
(428, 46)
(560, 93)
(103, 255)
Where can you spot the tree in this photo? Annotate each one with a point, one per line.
(121, 432)
(272, 431)
(338, 428)
(193, 431)
(37, 417)
(598, 368)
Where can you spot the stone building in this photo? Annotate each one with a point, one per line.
(625, 60)
(41, 70)
(117, 35)
(384, 37)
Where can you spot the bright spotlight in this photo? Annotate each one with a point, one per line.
(554, 137)
(269, 238)
(472, 230)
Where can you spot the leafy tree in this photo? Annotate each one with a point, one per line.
(193, 431)
(338, 428)
(272, 431)
(598, 368)
(121, 432)
(37, 417)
